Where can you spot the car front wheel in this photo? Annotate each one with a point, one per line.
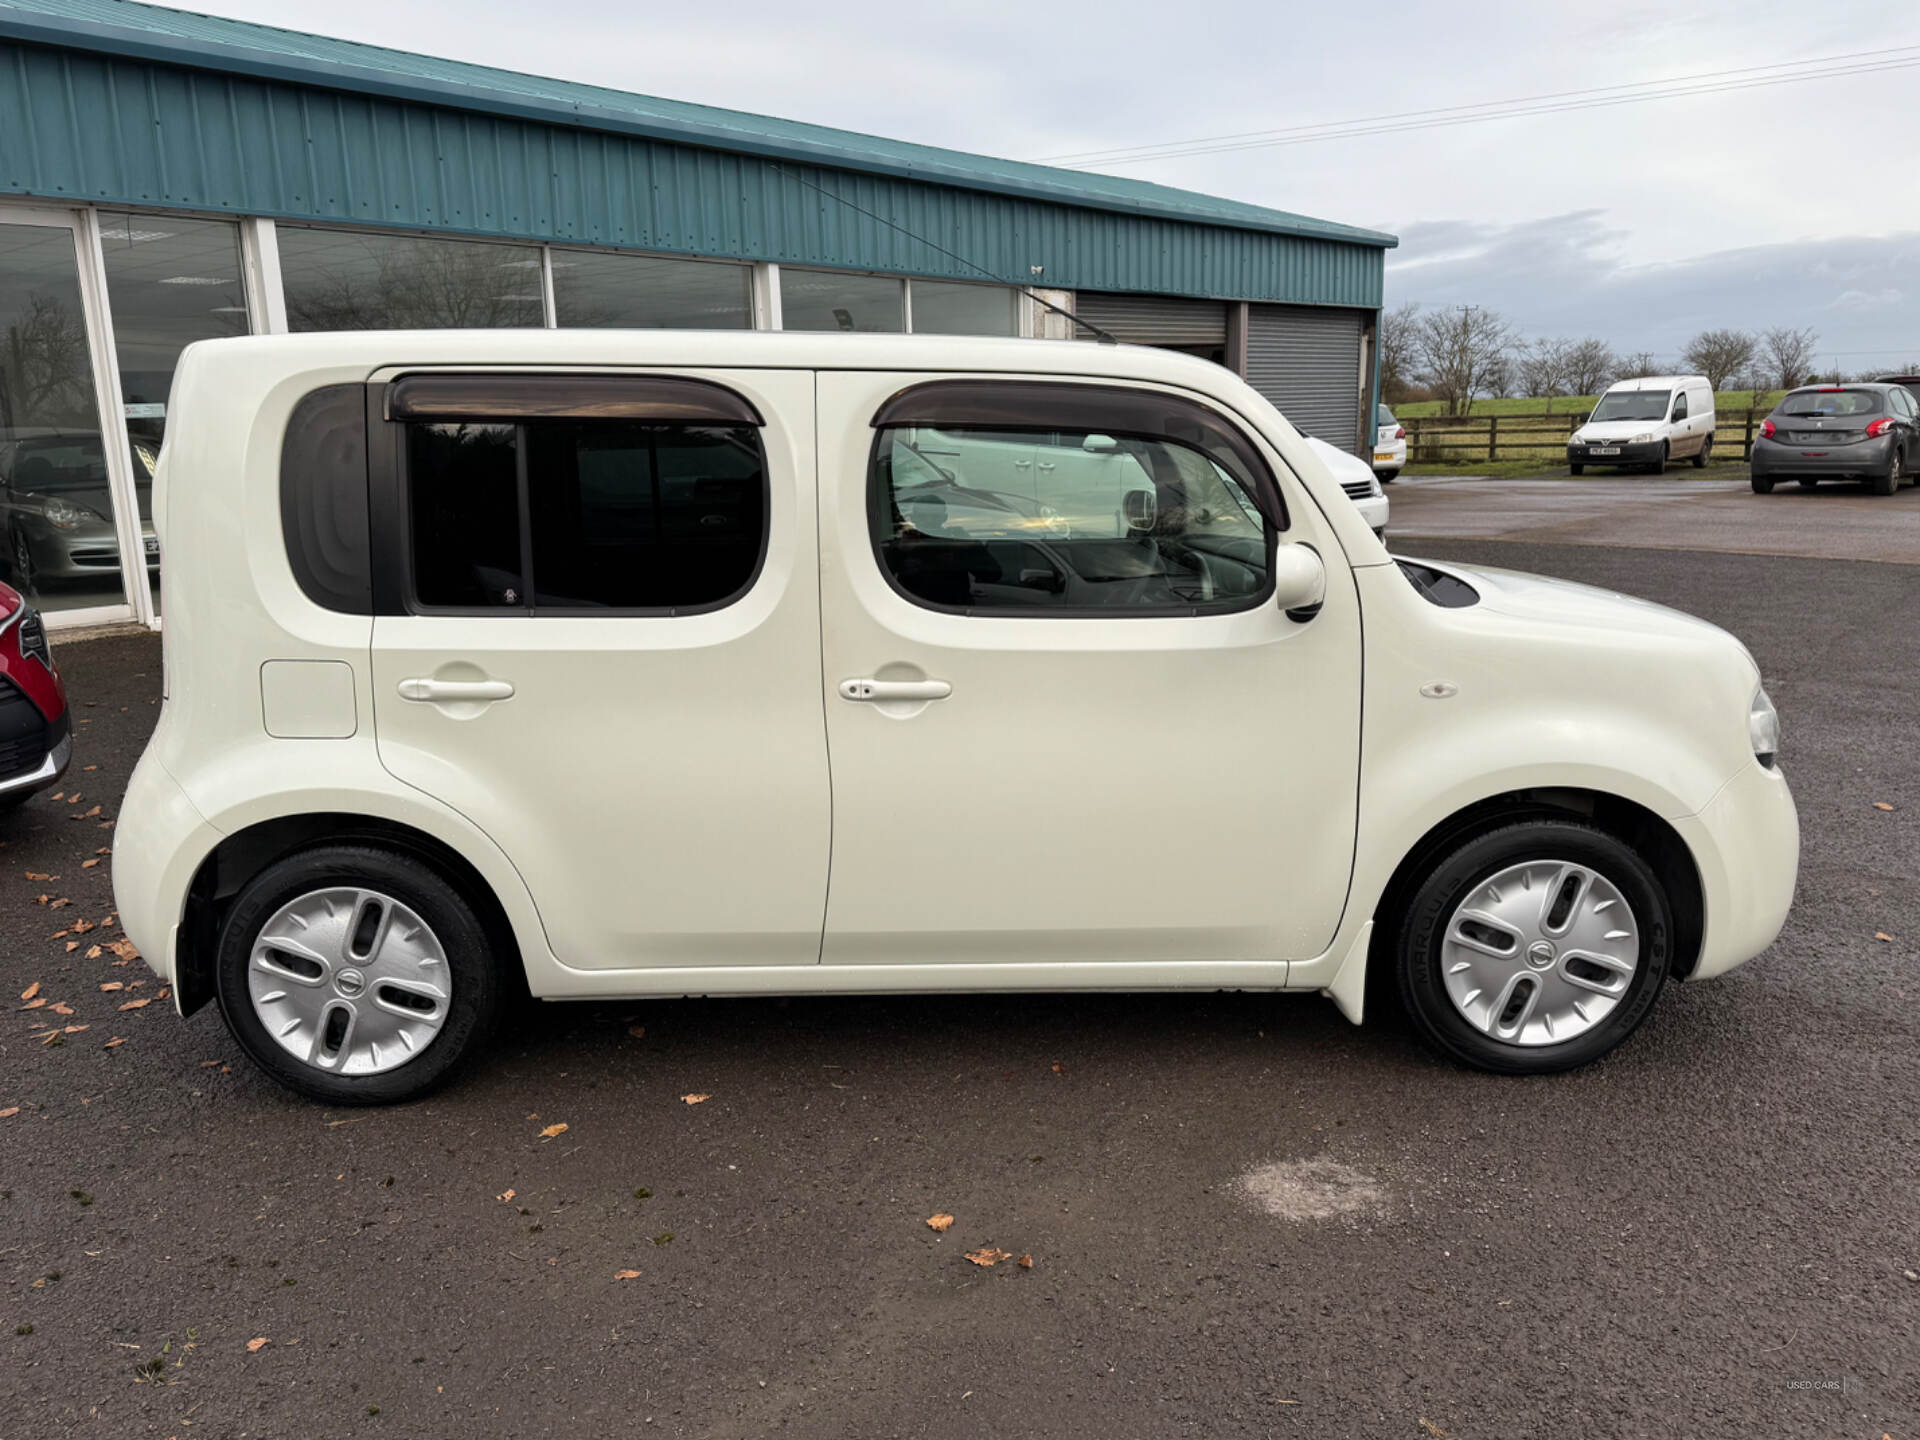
(356, 975)
(1534, 948)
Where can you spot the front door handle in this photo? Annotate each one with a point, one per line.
(894, 689)
(440, 692)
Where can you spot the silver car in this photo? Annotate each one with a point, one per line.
(57, 509)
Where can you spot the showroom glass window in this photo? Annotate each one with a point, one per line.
(941, 307)
(355, 280)
(837, 300)
(170, 281)
(1065, 522)
(56, 509)
(619, 515)
(602, 289)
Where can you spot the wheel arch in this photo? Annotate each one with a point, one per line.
(240, 856)
(1627, 820)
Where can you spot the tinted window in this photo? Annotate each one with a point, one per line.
(836, 300)
(1632, 405)
(621, 515)
(354, 280)
(465, 502)
(1833, 402)
(645, 292)
(1071, 522)
(1383, 416)
(941, 308)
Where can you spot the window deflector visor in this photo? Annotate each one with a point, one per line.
(520, 398)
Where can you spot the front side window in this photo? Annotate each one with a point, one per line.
(1632, 405)
(1679, 407)
(584, 515)
(1028, 522)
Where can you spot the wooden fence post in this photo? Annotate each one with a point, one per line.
(1493, 438)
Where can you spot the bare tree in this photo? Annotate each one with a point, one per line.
(1543, 368)
(1635, 366)
(1789, 355)
(1590, 366)
(426, 286)
(1719, 354)
(1398, 340)
(1460, 351)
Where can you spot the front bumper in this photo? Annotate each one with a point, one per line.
(1373, 510)
(1866, 457)
(1644, 453)
(84, 552)
(1746, 844)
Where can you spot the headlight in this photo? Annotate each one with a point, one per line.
(1763, 728)
(64, 513)
(1641, 439)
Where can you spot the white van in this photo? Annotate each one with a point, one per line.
(1647, 424)
(658, 664)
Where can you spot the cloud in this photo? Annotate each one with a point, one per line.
(1569, 275)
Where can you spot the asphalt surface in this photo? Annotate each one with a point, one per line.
(1246, 1216)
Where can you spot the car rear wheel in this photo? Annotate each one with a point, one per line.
(1386, 477)
(1534, 948)
(1659, 467)
(1762, 484)
(356, 975)
(1703, 454)
(1888, 483)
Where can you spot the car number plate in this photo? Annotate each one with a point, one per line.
(1605, 450)
(153, 546)
(1379, 455)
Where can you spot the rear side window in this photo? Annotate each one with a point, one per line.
(556, 511)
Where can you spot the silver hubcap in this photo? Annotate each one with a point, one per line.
(349, 981)
(1540, 953)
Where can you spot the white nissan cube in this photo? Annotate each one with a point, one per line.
(663, 664)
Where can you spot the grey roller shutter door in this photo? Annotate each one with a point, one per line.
(1306, 360)
(1154, 319)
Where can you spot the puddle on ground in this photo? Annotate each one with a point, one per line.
(1312, 1190)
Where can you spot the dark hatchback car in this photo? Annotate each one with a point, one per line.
(1839, 432)
(36, 732)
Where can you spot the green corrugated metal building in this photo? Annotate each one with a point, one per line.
(292, 181)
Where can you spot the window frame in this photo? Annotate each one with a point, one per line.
(990, 404)
(705, 403)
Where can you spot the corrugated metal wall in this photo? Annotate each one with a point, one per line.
(1155, 319)
(1307, 362)
(80, 126)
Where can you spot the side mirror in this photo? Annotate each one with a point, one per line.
(1141, 510)
(1299, 581)
(1100, 445)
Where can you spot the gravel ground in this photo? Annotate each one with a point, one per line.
(1246, 1217)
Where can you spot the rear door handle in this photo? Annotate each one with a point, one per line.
(894, 689)
(441, 691)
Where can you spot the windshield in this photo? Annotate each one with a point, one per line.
(50, 466)
(1833, 402)
(1632, 405)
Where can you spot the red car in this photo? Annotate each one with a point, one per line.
(36, 733)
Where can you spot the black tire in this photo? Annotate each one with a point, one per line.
(1762, 484)
(1386, 477)
(1659, 467)
(22, 573)
(1808, 482)
(1418, 951)
(1890, 482)
(476, 985)
(1703, 454)
(1573, 469)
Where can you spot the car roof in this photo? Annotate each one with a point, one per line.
(1656, 382)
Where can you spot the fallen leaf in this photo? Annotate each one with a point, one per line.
(60, 903)
(125, 949)
(695, 1099)
(36, 875)
(1433, 1429)
(9, 1112)
(89, 767)
(33, 1004)
(638, 1032)
(1878, 805)
(942, 1223)
(117, 1040)
(255, 1346)
(41, 899)
(31, 991)
(62, 1008)
(53, 1037)
(72, 945)
(94, 953)
(138, 1004)
(91, 813)
(1026, 1262)
(113, 985)
(1882, 935)
(553, 1130)
(626, 1274)
(88, 864)
(508, 1196)
(104, 850)
(987, 1255)
(74, 1029)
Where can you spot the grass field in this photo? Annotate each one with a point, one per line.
(1730, 401)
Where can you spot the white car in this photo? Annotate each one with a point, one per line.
(627, 664)
(1389, 445)
(1357, 479)
(1646, 424)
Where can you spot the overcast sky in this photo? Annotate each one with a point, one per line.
(1795, 204)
